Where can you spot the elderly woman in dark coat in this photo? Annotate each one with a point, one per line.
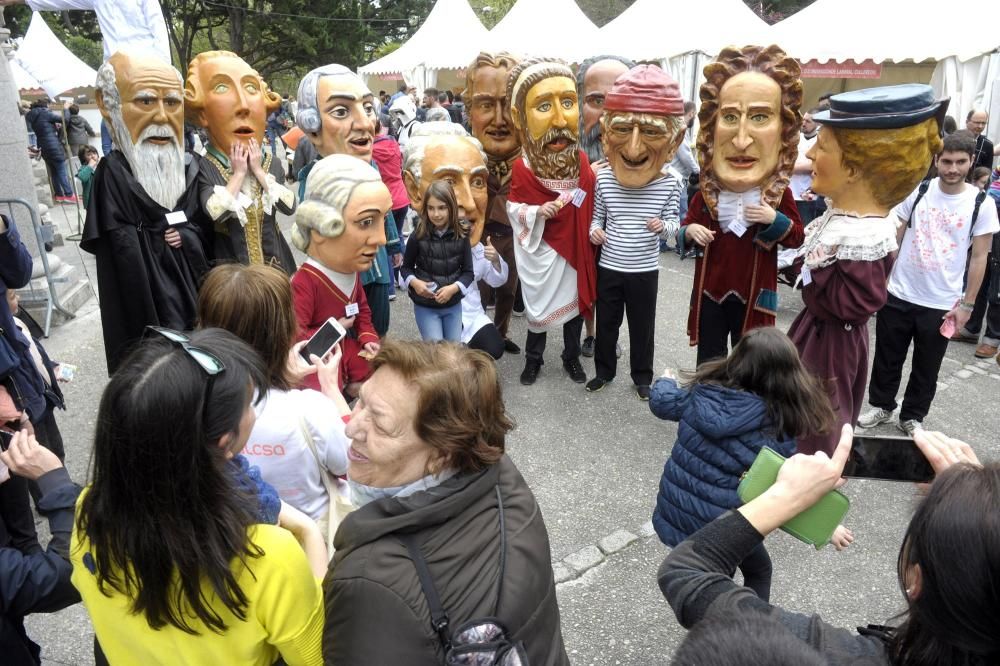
(427, 465)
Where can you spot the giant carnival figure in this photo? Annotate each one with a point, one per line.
(142, 220)
(239, 197)
(550, 207)
(445, 151)
(489, 119)
(874, 147)
(635, 206)
(747, 147)
(594, 79)
(339, 225)
(337, 113)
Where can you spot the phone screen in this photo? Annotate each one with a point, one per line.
(5, 439)
(889, 459)
(323, 340)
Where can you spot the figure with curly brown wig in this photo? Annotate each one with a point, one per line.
(874, 147)
(227, 97)
(747, 147)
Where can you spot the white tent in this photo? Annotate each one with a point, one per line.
(966, 65)
(449, 39)
(44, 58)
(547, 28)
(683, 36)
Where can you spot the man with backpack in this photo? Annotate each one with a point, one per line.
(939, 222)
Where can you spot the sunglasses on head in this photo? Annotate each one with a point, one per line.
(211, 364)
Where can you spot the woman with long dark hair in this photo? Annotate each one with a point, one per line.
(948, 566)
(168, 554)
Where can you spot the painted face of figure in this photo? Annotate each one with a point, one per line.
(597, 81)
(637, 145)
(348, 111)
(830, 177)
(747, 131)
(151, 96)
(551, 104)
(455, 160)
(364, 231)
(489, 113)
(235, 107)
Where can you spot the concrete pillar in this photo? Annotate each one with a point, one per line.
(16, 177)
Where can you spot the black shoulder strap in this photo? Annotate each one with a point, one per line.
(921, 191)
(439, 618)
(980, 198)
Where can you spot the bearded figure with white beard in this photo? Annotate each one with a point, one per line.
(142, 222)
(550, 207)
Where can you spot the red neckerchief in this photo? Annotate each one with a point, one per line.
(569, 231)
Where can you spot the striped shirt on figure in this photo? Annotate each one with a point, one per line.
(623, 213)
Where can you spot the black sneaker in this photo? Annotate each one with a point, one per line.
(510, 346)
(530, 373)
(575, 370)
(642, 391)
(596, 384)
(587, 349)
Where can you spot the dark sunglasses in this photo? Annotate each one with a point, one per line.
(206, 360)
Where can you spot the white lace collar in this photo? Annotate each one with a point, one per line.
(849, 237)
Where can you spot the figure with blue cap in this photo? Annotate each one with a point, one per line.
(874, 147)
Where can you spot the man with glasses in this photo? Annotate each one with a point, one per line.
(976, 122)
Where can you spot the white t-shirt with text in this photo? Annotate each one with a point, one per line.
(277, 445)
(930, 266)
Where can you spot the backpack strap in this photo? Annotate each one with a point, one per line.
(975, 213)
(439, 618)
(921, 191)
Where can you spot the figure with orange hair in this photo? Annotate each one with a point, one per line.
(238, 194)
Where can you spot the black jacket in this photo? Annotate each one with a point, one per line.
(77, 129)
(39, 582)
(441, 258)
(376, 612)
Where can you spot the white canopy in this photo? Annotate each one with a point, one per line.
(880, 30)
(547, 28)
(42, 56)
(449, 38)
(660, 29)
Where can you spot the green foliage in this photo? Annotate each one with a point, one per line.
(385, 49)
(491, 11)
(78, 31)
(773, 11)
(601, 12)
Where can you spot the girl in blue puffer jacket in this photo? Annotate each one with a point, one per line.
(727, 410)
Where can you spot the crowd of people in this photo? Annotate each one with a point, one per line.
(252, 502)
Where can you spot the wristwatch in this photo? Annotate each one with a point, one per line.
(964, 305)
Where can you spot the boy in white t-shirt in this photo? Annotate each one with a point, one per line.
(927, 303)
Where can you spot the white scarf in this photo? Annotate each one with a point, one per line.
(732, 207)
(362, 494)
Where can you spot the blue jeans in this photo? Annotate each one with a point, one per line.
(60, 181)
(439, 323)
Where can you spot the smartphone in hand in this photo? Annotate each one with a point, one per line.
(323, 340)
(888, 459)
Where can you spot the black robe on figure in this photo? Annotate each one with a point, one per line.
(141, 279)
(229, 241)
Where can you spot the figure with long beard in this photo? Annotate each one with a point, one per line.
(550, 208)
(142, 221)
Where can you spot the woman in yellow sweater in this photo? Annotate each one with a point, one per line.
(167, 552)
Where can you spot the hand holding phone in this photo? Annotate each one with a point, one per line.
(323, 340)
(948, 326)
(888, 459)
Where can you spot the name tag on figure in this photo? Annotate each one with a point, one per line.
(805, 275)
(737, 228)
(578, 197)
(351, 310)
(176, 217)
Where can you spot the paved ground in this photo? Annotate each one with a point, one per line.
(594, 462)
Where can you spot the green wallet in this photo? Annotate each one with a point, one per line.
(816, 524)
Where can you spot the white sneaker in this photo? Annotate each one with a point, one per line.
(874, 417)
(910, 426)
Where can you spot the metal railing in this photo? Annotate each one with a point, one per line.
(35, 296)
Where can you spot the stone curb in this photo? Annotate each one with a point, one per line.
(578, 563)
